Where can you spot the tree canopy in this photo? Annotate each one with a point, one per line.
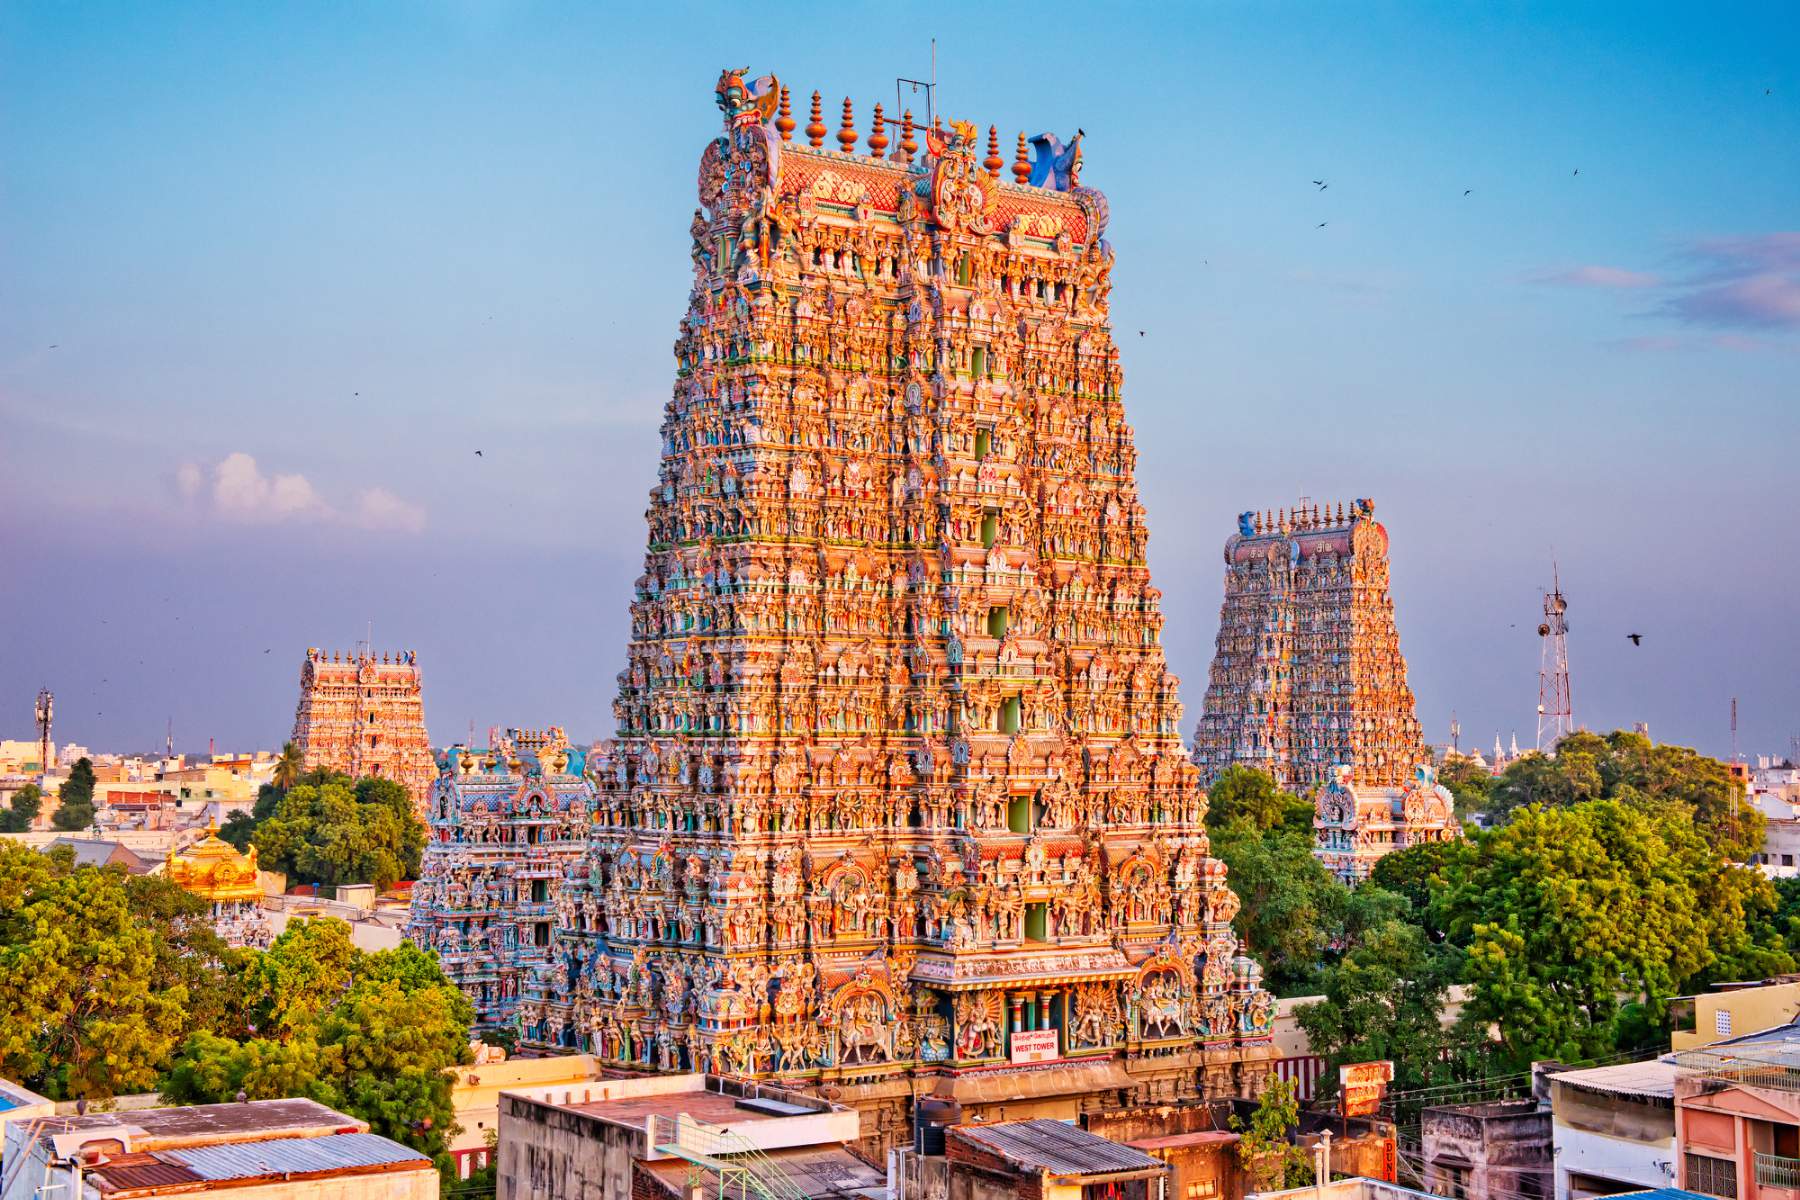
(1247, 794)
(75, 807)
(329, 831)
(22, 809)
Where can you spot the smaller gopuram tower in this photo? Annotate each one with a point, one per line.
(364, 714)
(1307, 675)
(507, 824)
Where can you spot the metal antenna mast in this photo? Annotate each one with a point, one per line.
(45, 712)
(1456, 734)
(1734, 749)
(1555, 712)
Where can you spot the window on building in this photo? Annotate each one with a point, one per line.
(1037, 922)
(978, 362)
(984, 443)
(1018, 814)
(540, 933)
(1722, 1022)
(996, 622)
(1710, 1176)
(540, 891)
(990, 529)
(1009, 715)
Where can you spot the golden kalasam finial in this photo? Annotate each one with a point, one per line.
(878, 138)
(1021, 162)
(847, 132)
(908, 145)
(784, 122)
(993, 162)
(815, 129)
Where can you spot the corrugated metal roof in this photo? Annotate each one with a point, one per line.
(1654, 1079)
(293, 1156)
(134, 1172)
(1056, 1147)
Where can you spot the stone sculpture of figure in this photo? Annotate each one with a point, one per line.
(1246, 524)
(1053, 164)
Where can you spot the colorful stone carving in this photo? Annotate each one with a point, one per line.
(1356, 824)
(365, 716)
(898, 772)
(1307, 675)
(509, 827)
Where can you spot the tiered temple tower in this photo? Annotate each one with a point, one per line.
(365, 715)
(506, 823)
(898, 796)
(1308, 675)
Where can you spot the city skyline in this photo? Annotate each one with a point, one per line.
(277, 275)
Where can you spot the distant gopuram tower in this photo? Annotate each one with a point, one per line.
(1307, 676)
(365, 715)
(898, 794)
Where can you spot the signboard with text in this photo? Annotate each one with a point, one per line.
(1361, 1086)
(1035, 1045)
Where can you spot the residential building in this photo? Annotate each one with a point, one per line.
(1613, 1128)
(1734, 1010)
(20, 1104)
(1047, 1160)
(1737, 1117)
(475, 1095)
(255, 1150)
(1500, 1150)
(98, 852)
(607, 1139)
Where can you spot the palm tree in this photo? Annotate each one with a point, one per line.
(288, 767)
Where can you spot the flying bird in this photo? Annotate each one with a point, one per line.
(1140, 333)
(1323, 224)
(478, 454)
(1577, 170)
(1637, 639)
(1466, 191)
(53, 347)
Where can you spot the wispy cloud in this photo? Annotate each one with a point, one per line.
(1749, 284)
(1611, 278)
(237, 489)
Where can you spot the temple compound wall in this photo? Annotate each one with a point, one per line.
(364, 715)
(898, 798)
(507, 825)
(1308, 683)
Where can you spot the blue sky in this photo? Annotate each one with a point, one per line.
(269, 275)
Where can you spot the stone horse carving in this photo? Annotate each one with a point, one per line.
(862, 1032)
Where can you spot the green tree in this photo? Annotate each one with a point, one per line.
(1265, 1151)
(289, 766)
(1384, 1000)
(1246, 794)
(1416, 872)
(211, 1069)
(22, 809)
(329, 831)
(1291, 908)
(1570, 913)
(1469, 782)
(301, 976)
(83, 1011)
(189, 954)
(238, 830)
(75, 809)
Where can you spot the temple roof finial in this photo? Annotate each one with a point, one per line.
(784, 123)
(847, 132)
(993, 162)
(878, 138)
(1022, 162)
(815, 129)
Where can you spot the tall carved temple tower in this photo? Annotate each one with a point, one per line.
(507, 824)
(365, 715)
(1308, 675)
(898, 797)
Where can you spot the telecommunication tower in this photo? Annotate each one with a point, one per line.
(1455, 734)
(45, 713)
(1556, 718)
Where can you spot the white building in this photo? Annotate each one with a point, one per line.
(1613, 1128)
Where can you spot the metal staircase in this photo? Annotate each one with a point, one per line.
(732, 1160)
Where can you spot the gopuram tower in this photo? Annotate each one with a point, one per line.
(364, 714)
(898, 801)
(1307, 676)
